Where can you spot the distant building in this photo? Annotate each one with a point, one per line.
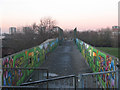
(56, 28)
(1, 37)
(19, 30)
(12, 30)
(115, 31)
(25, 29)
(115, 28)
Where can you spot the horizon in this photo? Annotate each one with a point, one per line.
(84, 15)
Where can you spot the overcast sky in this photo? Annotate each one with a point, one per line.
(84, 14)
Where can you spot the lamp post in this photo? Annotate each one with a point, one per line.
(75, 34)
(60, 37)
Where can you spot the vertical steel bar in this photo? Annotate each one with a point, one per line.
(86, 81)
(64, 83)
(68, 83)
(42, 76)
(91, 80)
(53, 84)
(96, 82)
(75, 82)
(105, 81)
(83, 83)
(20, 71)
(47, 78)
(118, 76)
(110, 81)
(61, 84)
(37, 71)
(80, 81)
(47, 74)
(101, 81)
(117, 79)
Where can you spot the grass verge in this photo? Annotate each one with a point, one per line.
(110, 50)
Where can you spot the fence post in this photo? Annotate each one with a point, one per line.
(0, 74)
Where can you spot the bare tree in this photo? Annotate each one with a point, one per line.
(47, 22)
(31, 36)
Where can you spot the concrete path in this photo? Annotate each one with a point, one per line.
(66, 60)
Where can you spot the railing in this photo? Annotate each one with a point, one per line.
(32, 57)
(105, 80)
(18, 75)
(99, 62)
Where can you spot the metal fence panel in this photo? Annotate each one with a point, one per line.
(105, 80)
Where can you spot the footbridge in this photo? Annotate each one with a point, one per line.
(70, 64)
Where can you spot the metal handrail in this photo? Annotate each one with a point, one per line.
(86, 74)
(47, 80)
(83, 77)
(24, 85)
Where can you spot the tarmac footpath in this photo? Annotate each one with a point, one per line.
(66, 59)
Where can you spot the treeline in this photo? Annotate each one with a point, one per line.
(102, 38)
(29, 36)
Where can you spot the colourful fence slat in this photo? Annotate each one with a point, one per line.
(32, 57)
